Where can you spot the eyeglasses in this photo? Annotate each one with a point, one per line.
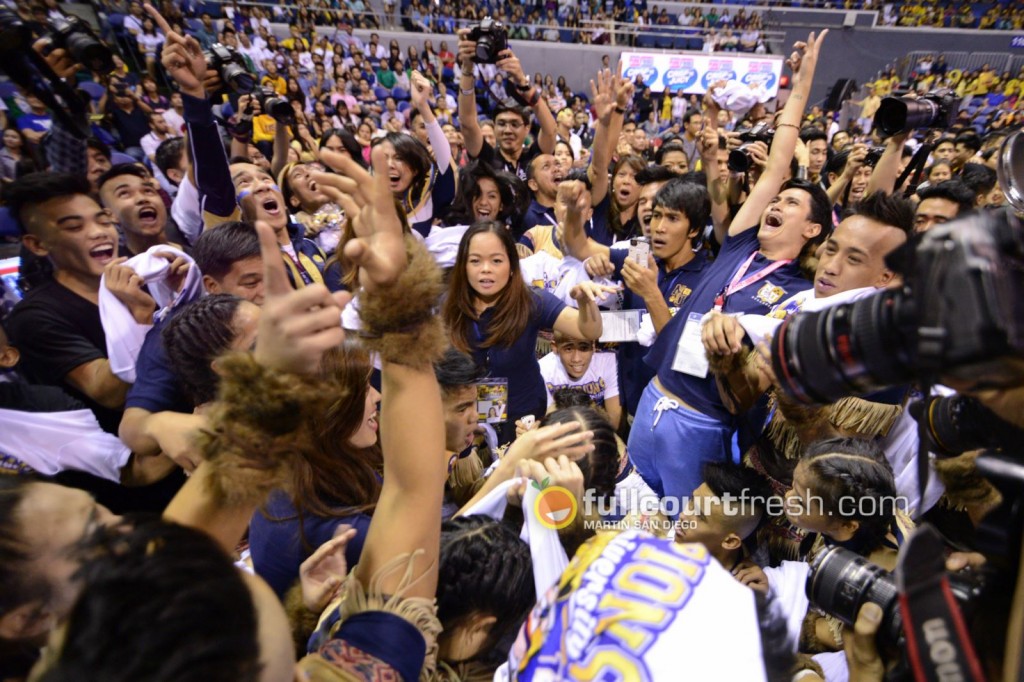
(514, 125)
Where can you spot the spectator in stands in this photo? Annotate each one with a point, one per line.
(941, 203)
(129, 117)
(13, 155)
(36, 122)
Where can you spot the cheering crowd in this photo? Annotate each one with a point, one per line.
(321, 368)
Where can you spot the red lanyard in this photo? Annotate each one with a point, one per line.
(736, 284)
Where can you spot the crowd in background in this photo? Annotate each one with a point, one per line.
(386, 365)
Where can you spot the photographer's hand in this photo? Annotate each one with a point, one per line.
(509, 63)
(862, 659)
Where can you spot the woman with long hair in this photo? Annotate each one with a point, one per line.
(625, 195)
(487, 194)
(337, 482)
(492, 314)
(424, 186)
(13, 154)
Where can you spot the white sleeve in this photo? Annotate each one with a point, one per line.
(609, 371)
(51, 442)
(787, 584)
(439, 143)
(185, 210)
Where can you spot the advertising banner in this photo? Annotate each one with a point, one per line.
(694, 73)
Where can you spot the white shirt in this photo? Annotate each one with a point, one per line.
(600, 381)
(174, 121)
(679, 106)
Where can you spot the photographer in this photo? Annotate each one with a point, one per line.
(512, 123)
(129, 116)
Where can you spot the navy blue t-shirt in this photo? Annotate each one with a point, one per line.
(598, 230)
(518, 362)
(757, 298)
(538, 215)
(157, 387)
(676, 286)
(276, 543)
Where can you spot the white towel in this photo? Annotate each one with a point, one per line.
(125, 335)
(51, 442)
(546, 552)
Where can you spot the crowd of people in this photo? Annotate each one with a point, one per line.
(374, 371)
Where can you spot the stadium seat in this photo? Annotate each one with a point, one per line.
(94, 89)
(7, 89)
(381, 93)
(117, 157)
(400, 93)
(404, 106)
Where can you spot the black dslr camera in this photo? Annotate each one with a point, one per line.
(74, 35)
(279, 108)
(491, 39)
(936, 109)
(960, 314)
(739, 158)
(231, 68)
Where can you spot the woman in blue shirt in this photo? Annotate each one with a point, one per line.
(492, 314)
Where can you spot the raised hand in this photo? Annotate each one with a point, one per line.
(551, 441)
(182, 57)
(804, 58)
(323, 573)
(421, 92)
(603, 95)
(297, 326)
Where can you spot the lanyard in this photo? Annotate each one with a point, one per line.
(736, 284)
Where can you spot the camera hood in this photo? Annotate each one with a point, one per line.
(1010, 168)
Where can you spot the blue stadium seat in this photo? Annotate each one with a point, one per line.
(94, 89)
(447, 74)
(404, 107)
(381, 93)
(7, 89)
(565, 35)
(400, 93)
(117, 157)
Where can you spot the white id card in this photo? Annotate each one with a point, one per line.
(620, 326)
(690, 355)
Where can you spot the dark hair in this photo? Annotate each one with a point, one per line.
(513, 308)
(521, 112)
(690, 114)
(980, 179)
(456, 369)
(579, 175)
(889, 209)
(215, 251)
(348, 141)
(836, 164)
(739, 483)
(653, 174)
(951, 190)
(571, 396)
(98, 145)
(514, 196)
(197, 334)
(168, 154)
(690, 199)
(854, 468)
(811, 133)
(969, 139)
(673, 146)
(20, 583)
(162, 602)
(414, 154)
(484, 569)
(117, 170)
(601, 466)
(614, 211)
(821, 207)
(37, 188)
(562, 142)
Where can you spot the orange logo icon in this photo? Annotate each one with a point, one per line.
(555, 507)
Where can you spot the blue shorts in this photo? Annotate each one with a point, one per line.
(669, 444)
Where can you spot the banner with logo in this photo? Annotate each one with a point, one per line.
(695, 73)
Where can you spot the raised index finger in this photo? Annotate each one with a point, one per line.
(275, 281)
(159, 20)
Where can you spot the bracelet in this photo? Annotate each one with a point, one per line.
(524, 88)
(801, 173)
(791, 125)
(469, 93)
(533, 100)
(619, 110)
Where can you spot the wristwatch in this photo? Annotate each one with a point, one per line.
(523, 87)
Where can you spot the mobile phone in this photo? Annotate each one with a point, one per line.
(639, 250)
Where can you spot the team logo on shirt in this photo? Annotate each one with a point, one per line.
(769, 294)
(680, 293)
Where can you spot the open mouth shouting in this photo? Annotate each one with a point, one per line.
(103, 253)
(148, 217)
(271, 206)
(773, 220)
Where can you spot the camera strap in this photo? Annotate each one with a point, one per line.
(938, 644)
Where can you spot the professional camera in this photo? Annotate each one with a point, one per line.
(231, 68)
(873, 156)
(279, 108)
(960, 314)
(957, 423)
(739, 158)
(77, 37)
(936, 109)
(491, 39)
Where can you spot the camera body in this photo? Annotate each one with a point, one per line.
(873, 156)
(231, 68)
(960, 314)
(936, 109)
(491, 39)
(77, 37)
(279, 108)
(739, 158)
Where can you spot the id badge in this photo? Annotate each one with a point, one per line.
(492, 400)
(620, 326)
(690, 355)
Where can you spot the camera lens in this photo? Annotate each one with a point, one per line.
(840, 582)
(900, 114)
(89, 52)
(739, 159)
(483, 49)
(237, 78)
(849, 349)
